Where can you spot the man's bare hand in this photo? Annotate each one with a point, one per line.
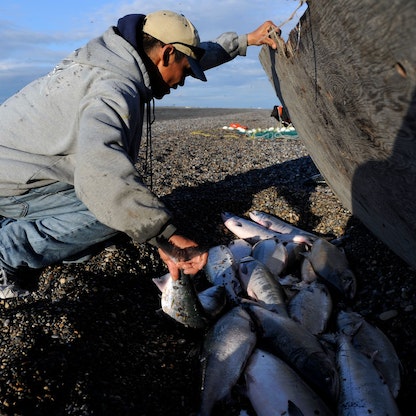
(189, 266)
(262, 35)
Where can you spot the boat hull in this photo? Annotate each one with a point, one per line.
(348, 79)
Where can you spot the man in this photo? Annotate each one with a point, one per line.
(69, 143)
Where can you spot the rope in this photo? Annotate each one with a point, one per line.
(148, 166)
(273, 30)
(294, 13)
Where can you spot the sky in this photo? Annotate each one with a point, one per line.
(36, 35)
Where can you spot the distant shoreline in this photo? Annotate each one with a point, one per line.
(173, 112)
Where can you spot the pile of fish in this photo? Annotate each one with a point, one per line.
(279, 329)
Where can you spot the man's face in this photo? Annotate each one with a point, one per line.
(172, 72)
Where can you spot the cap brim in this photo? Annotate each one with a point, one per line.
(197, 71)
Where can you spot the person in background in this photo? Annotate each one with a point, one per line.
(69, 145)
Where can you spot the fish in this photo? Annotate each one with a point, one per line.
(246, 229)
(253, 232)
(260, 285)
(180, 301)
(312, 307)
(240, 248)
(295, 254)
(220, 270)
(265, 326)
(274, 388)
(371, 341)
(272, 254)
(213, 300)
(362, 390)
(331, 264)
(226, 349)
(162, 281)
(289, 280)
(274, 223)
(177, 253)
(289, 283)
(293, 343)
(307, 273)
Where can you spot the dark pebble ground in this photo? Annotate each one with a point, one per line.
(90, 339)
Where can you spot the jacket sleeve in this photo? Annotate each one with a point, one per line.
(105, 176)
(223, 49)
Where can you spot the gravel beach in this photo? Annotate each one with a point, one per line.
(91, 340)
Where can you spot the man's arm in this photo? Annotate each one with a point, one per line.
(229, 45)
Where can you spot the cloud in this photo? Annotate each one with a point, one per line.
(16, 40)
(26, 53)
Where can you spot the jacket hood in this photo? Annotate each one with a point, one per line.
(114, 53)
(129, 26)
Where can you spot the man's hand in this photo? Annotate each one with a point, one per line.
(190, 266)
(262, 35)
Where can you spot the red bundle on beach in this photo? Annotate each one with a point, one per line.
(237, 125)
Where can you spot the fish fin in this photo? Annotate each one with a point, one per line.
(161, 281)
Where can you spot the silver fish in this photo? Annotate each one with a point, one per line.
(226, 349)
(362, 390)
(295, 254)
(180, 301)
(220, 270)
(272, 385)
(253, 232)
(260, 285)
(331, 264)
(299, 348)
(213, 300)
(289, 283)
(289, 280)
(312, 307)
(240, 248)
(372, 342)
(272, 254)
(276, 224)
(307, 272)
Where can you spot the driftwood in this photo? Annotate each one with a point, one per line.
(347, 75)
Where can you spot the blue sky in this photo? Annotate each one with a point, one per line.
(36, 35)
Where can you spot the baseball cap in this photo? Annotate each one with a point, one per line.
(175, 29)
